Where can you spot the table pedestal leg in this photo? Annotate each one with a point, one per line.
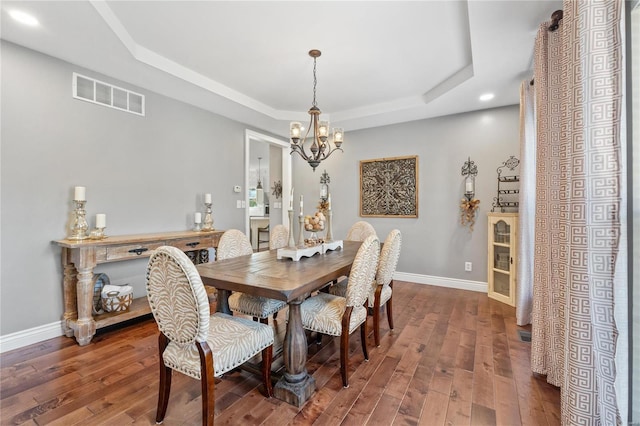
(296, 386)
(222, 303)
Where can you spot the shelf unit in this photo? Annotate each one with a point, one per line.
(502, 259)
(508, 187)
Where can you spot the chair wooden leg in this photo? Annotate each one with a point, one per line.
(344, 346)
(207, 383)
(318, 338)
(267, 358)
(275, 315)
(264, 320)
(376, 315)
(363, 338)
(165, 381)
(389, 310)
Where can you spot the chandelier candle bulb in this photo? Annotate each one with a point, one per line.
(207, 198)
(101, 220)
(79, 193)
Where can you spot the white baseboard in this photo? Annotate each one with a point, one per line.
(28, 337)
(478, 286)
(38, 334)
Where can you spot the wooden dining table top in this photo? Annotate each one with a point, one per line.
(262, 274)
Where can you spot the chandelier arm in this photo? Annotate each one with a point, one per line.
(331, 152)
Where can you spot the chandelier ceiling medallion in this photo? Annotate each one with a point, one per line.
(320, 149)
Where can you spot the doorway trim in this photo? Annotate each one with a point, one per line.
(252, 135)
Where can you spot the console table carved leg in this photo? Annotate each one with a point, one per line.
(296, 386)
(85, 327)
(70, 298)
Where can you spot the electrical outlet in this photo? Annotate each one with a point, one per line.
(468, 266)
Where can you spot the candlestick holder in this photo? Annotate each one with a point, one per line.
(197, 226)
(301, 232)
(292, 242)
(329, 235)
(208, 218)
(98, 234)
(79, 226)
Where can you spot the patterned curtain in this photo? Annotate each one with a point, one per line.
(526, 223)
(580, 245)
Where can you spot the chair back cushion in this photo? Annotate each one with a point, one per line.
(233, 243)
(279, 237)
(389, 257)
(177, 297)
(359, 231)
(363, 272)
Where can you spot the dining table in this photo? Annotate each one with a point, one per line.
(263, 274)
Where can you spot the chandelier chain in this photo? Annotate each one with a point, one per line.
(315, 82)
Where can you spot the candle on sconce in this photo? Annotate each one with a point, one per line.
(101, 220)
(79, 193)
(197, 217)
(329, 201)
(469, 185)
(301, 206)
(207, 198)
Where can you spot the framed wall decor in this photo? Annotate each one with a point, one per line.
(389, 187)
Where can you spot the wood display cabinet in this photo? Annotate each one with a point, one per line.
(502, 259)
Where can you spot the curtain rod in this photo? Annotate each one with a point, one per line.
(555, 20)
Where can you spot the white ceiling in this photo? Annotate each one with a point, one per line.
(382, 62)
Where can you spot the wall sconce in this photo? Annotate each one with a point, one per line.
(469, 171)
(324, 186)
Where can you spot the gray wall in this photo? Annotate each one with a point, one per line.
(435, 243)
(148, 174)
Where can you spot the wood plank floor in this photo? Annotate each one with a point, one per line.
(454, 358)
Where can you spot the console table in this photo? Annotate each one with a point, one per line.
(80, 257)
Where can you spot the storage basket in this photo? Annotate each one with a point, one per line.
(116, 298)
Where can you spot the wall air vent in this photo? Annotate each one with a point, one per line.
(101, 93)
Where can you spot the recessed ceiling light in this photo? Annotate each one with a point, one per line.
(487, 97)
(24, 18)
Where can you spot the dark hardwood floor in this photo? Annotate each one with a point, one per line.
(454, 358)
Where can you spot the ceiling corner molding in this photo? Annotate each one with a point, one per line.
(153, 59)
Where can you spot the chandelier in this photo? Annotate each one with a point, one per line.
(320, 149)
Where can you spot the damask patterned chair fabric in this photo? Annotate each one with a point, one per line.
(383, 287)
(279, 237)
(340, 316)
(192, 341)
(359, 231)
(234, 243)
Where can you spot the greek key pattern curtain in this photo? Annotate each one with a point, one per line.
(579, 88)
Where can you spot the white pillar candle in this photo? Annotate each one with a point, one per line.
(291, 199)
(207, 198)
(198, 217)
(301, 206)
(101, 220)
(79, 193)
(469, 186)
(329, 201)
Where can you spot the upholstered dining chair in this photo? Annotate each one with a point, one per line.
(234, 243)
(340, 316)
(193, 342)
(359, 231)
(382, 293)
(279, 237)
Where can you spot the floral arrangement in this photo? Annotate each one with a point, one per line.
(323, 206)
(468, 212)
